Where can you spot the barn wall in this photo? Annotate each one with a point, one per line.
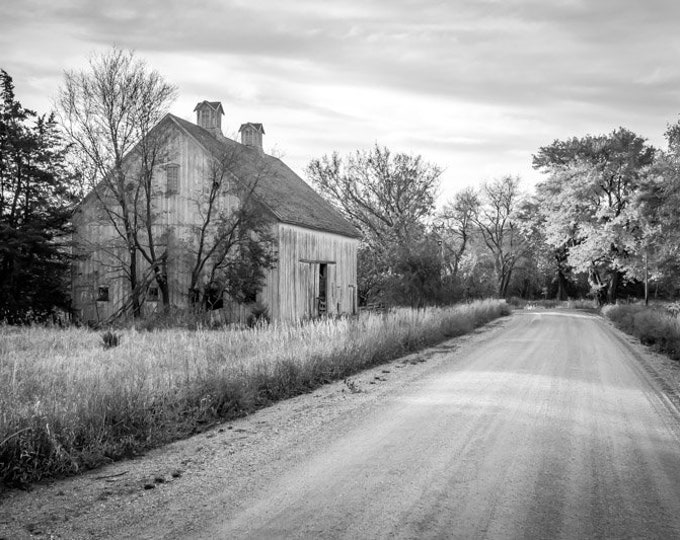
(292, 288)
(102, 252)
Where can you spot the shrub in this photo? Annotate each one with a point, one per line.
(517, 302)
(653, 327)
(582, 304)
(110, 339)
(259, 314)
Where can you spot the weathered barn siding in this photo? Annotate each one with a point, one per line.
(292, 288)
(95, 264)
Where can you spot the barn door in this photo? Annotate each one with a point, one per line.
(309, 287)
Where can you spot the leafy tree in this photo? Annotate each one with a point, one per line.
(657, 205)
(414, 276)
(35, 206)
(108, 111)
(587, 199)
(389, 197)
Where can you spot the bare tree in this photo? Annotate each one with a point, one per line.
(108, 111)
(383, 194)
(388, 197)
(497, 216)
(454, 225)
(232, 244)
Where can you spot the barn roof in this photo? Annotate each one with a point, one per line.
(216, 105)
(287, 196)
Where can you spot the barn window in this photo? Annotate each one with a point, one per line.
(152, 294)
(103, 294)
(172, 179)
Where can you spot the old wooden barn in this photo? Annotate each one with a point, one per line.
(316, 268)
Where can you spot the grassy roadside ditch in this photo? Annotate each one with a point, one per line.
(653, 326)
(68, 404)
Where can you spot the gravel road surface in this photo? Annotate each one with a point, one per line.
(549, 424)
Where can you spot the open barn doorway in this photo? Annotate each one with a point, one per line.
(317, 279)
(322, 305)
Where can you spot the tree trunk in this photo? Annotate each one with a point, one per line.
(561, 286)
(613, 286)
(646, 279)
(134, 285)
(161, 277)
(500, 275)
(504, 283)
(597, 287)
(165, 292)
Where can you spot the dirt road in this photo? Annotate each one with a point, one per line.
(551, 430)
(550, 425)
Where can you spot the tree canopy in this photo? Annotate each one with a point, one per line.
(588, 200)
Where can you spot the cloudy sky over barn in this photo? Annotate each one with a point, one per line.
(475, 86)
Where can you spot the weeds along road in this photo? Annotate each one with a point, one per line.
(550, 430)
(547, 425)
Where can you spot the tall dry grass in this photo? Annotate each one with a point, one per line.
(654, 326)
(67, 404)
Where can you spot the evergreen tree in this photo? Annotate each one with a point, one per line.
(35, 206)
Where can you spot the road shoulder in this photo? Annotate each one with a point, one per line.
(661, 370)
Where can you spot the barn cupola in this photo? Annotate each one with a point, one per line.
(251, 135)
(209, 116)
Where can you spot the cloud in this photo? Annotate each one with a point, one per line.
(515, 52)
(458, 81)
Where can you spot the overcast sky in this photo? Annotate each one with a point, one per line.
(475, 86)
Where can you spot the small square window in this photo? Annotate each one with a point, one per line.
(103, 294)
(152, 295)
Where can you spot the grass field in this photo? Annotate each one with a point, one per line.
(68, 404)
